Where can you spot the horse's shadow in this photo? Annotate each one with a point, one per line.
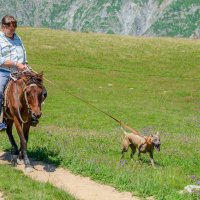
(49, 159)
(40, 159)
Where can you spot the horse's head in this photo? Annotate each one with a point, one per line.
(34, 93)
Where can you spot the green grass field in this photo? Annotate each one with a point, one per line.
(15, 185)
(152, 84)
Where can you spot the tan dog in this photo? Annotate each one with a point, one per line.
(143, 144)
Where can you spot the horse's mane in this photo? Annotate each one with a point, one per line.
(33, 78)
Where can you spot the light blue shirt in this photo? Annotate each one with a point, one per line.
(12, 50)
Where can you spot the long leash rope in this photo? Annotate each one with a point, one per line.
(88, 103)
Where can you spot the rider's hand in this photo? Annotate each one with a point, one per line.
(28, 68)
(21, 66)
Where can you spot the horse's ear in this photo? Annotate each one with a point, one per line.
(40, 74)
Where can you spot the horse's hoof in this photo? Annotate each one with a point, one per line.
(13, 163)
(20, 161)
(14, 160)
(29, 169)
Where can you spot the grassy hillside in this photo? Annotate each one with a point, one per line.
(152, 84)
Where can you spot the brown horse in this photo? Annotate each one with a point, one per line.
(23, 98)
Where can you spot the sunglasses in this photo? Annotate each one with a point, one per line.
(14, 24)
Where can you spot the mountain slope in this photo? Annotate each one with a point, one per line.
(128, 17)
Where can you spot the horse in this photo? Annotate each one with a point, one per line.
(23, 99)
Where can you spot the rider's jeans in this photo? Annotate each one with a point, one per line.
(4, 77)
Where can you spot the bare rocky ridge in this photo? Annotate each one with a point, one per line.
(196, 34)
(80, 187)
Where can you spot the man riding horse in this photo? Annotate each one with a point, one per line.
(24, 94)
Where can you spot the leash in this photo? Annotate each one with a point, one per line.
(88, 103)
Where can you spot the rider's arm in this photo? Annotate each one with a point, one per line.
(9, 64)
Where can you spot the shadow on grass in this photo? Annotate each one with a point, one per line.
(141, 161)
(45, 155)
(6, 157)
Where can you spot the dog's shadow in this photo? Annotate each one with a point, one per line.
(141, 161)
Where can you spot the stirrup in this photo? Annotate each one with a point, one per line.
(3, 126)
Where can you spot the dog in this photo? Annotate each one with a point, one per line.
(144, 144)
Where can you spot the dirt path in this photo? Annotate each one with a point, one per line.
(81, 188)
(1, 196)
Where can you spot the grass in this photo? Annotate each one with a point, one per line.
(15, 185)
(152, 84)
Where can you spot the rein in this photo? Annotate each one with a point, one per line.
(25, 95)
(26, 100)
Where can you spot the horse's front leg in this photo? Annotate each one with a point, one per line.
(22, 142)
(26, 128)
(14, 151)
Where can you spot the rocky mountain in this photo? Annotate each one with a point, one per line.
(129, 17)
